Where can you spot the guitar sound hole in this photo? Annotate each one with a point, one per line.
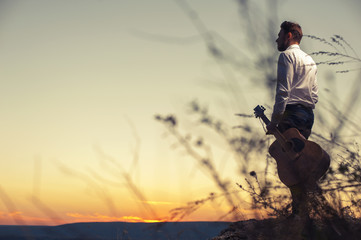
(298, 144)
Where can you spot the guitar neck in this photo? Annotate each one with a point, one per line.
(265, 119)
(278, 135)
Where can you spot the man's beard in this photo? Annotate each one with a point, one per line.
(282, 47)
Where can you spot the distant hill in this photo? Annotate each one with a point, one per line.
(115, 231)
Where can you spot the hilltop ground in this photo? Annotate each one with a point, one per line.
(295, 229)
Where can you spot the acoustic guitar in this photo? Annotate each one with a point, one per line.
(298, 159)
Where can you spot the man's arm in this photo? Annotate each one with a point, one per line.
(284, 77)
(315, 92)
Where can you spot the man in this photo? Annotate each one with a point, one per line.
(296, 96)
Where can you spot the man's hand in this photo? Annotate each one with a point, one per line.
(271, 128)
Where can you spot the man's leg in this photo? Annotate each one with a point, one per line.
(299, 199)
(296, 116)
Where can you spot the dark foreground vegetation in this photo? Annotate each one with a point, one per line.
(284, 229)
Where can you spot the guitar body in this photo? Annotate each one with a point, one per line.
(299, 160)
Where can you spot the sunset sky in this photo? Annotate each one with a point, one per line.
(81, 82)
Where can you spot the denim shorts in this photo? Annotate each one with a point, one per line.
(299, 117)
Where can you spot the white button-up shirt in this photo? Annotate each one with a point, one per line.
(296, 81)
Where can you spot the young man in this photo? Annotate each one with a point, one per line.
(296, 96)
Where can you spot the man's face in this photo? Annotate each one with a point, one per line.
(282, 40)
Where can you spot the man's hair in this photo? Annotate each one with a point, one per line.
(293, 28)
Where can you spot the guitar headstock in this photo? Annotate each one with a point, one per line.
(259, 111)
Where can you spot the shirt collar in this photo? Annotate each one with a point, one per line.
(293, 46)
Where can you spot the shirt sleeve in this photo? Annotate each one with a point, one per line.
(314, 92)
(285, 74)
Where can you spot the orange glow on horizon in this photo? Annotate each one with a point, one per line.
(104, 218)
(19, 218)
(138, 219)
